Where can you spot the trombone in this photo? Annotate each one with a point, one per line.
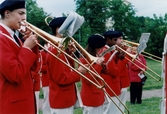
(145, 54)
(55, 41)
(134, 58)
(91, 59)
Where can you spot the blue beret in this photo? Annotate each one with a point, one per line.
(96, 41)
(111, 34)
(11, 5)
(56, 22)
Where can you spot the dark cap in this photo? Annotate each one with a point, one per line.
(56, 22)
(11, 5)
(111, 34)
(120, 34)
(96, 41)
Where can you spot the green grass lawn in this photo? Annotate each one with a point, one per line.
(148, 106)
(152, 83)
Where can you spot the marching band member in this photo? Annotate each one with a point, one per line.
(17, 61)
(135, 79)
(62, 91)
(114, 61)
(124, 75)
(93, 97)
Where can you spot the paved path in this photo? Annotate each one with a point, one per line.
(149, 94)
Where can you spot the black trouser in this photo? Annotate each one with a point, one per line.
(136, 92)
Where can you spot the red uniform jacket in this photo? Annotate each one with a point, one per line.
(16, 85)
(36, 73)
(134, 70)
(62, 93)
(45, 78)
(112, 74)
(124, 76)
(90, 94)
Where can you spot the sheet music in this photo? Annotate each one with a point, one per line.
(71, 24)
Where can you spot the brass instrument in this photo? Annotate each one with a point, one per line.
(90, 60)
(145, 54)
(46, 20)
(134, 58)
(54, 41)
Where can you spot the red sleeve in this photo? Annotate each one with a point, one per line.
(114, 68)
(15, 65)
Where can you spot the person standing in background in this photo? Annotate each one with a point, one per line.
(17, 60)
(135, 79)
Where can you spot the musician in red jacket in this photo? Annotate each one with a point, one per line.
(17, 60)
(114, 62)
(62, 91)
(93, 97)
(135, 79)
(124, 74)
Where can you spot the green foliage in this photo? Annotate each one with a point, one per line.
(95, 14)
(36, 16)
(102, 15)
(123, 19)
(148, 106)
(158, 28)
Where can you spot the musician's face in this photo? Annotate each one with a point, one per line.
(119, 41)
(97, 50)
(15, 17)
(113, 41)
(58, 34)
(134, 50)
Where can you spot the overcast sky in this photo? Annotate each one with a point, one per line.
(143, 7)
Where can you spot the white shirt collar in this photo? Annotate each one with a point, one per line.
(107, 46)
(11, 32)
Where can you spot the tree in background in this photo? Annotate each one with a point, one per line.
(36, 16)
(158, 29)
(99, 12)
(94, 12)
(123, 17)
